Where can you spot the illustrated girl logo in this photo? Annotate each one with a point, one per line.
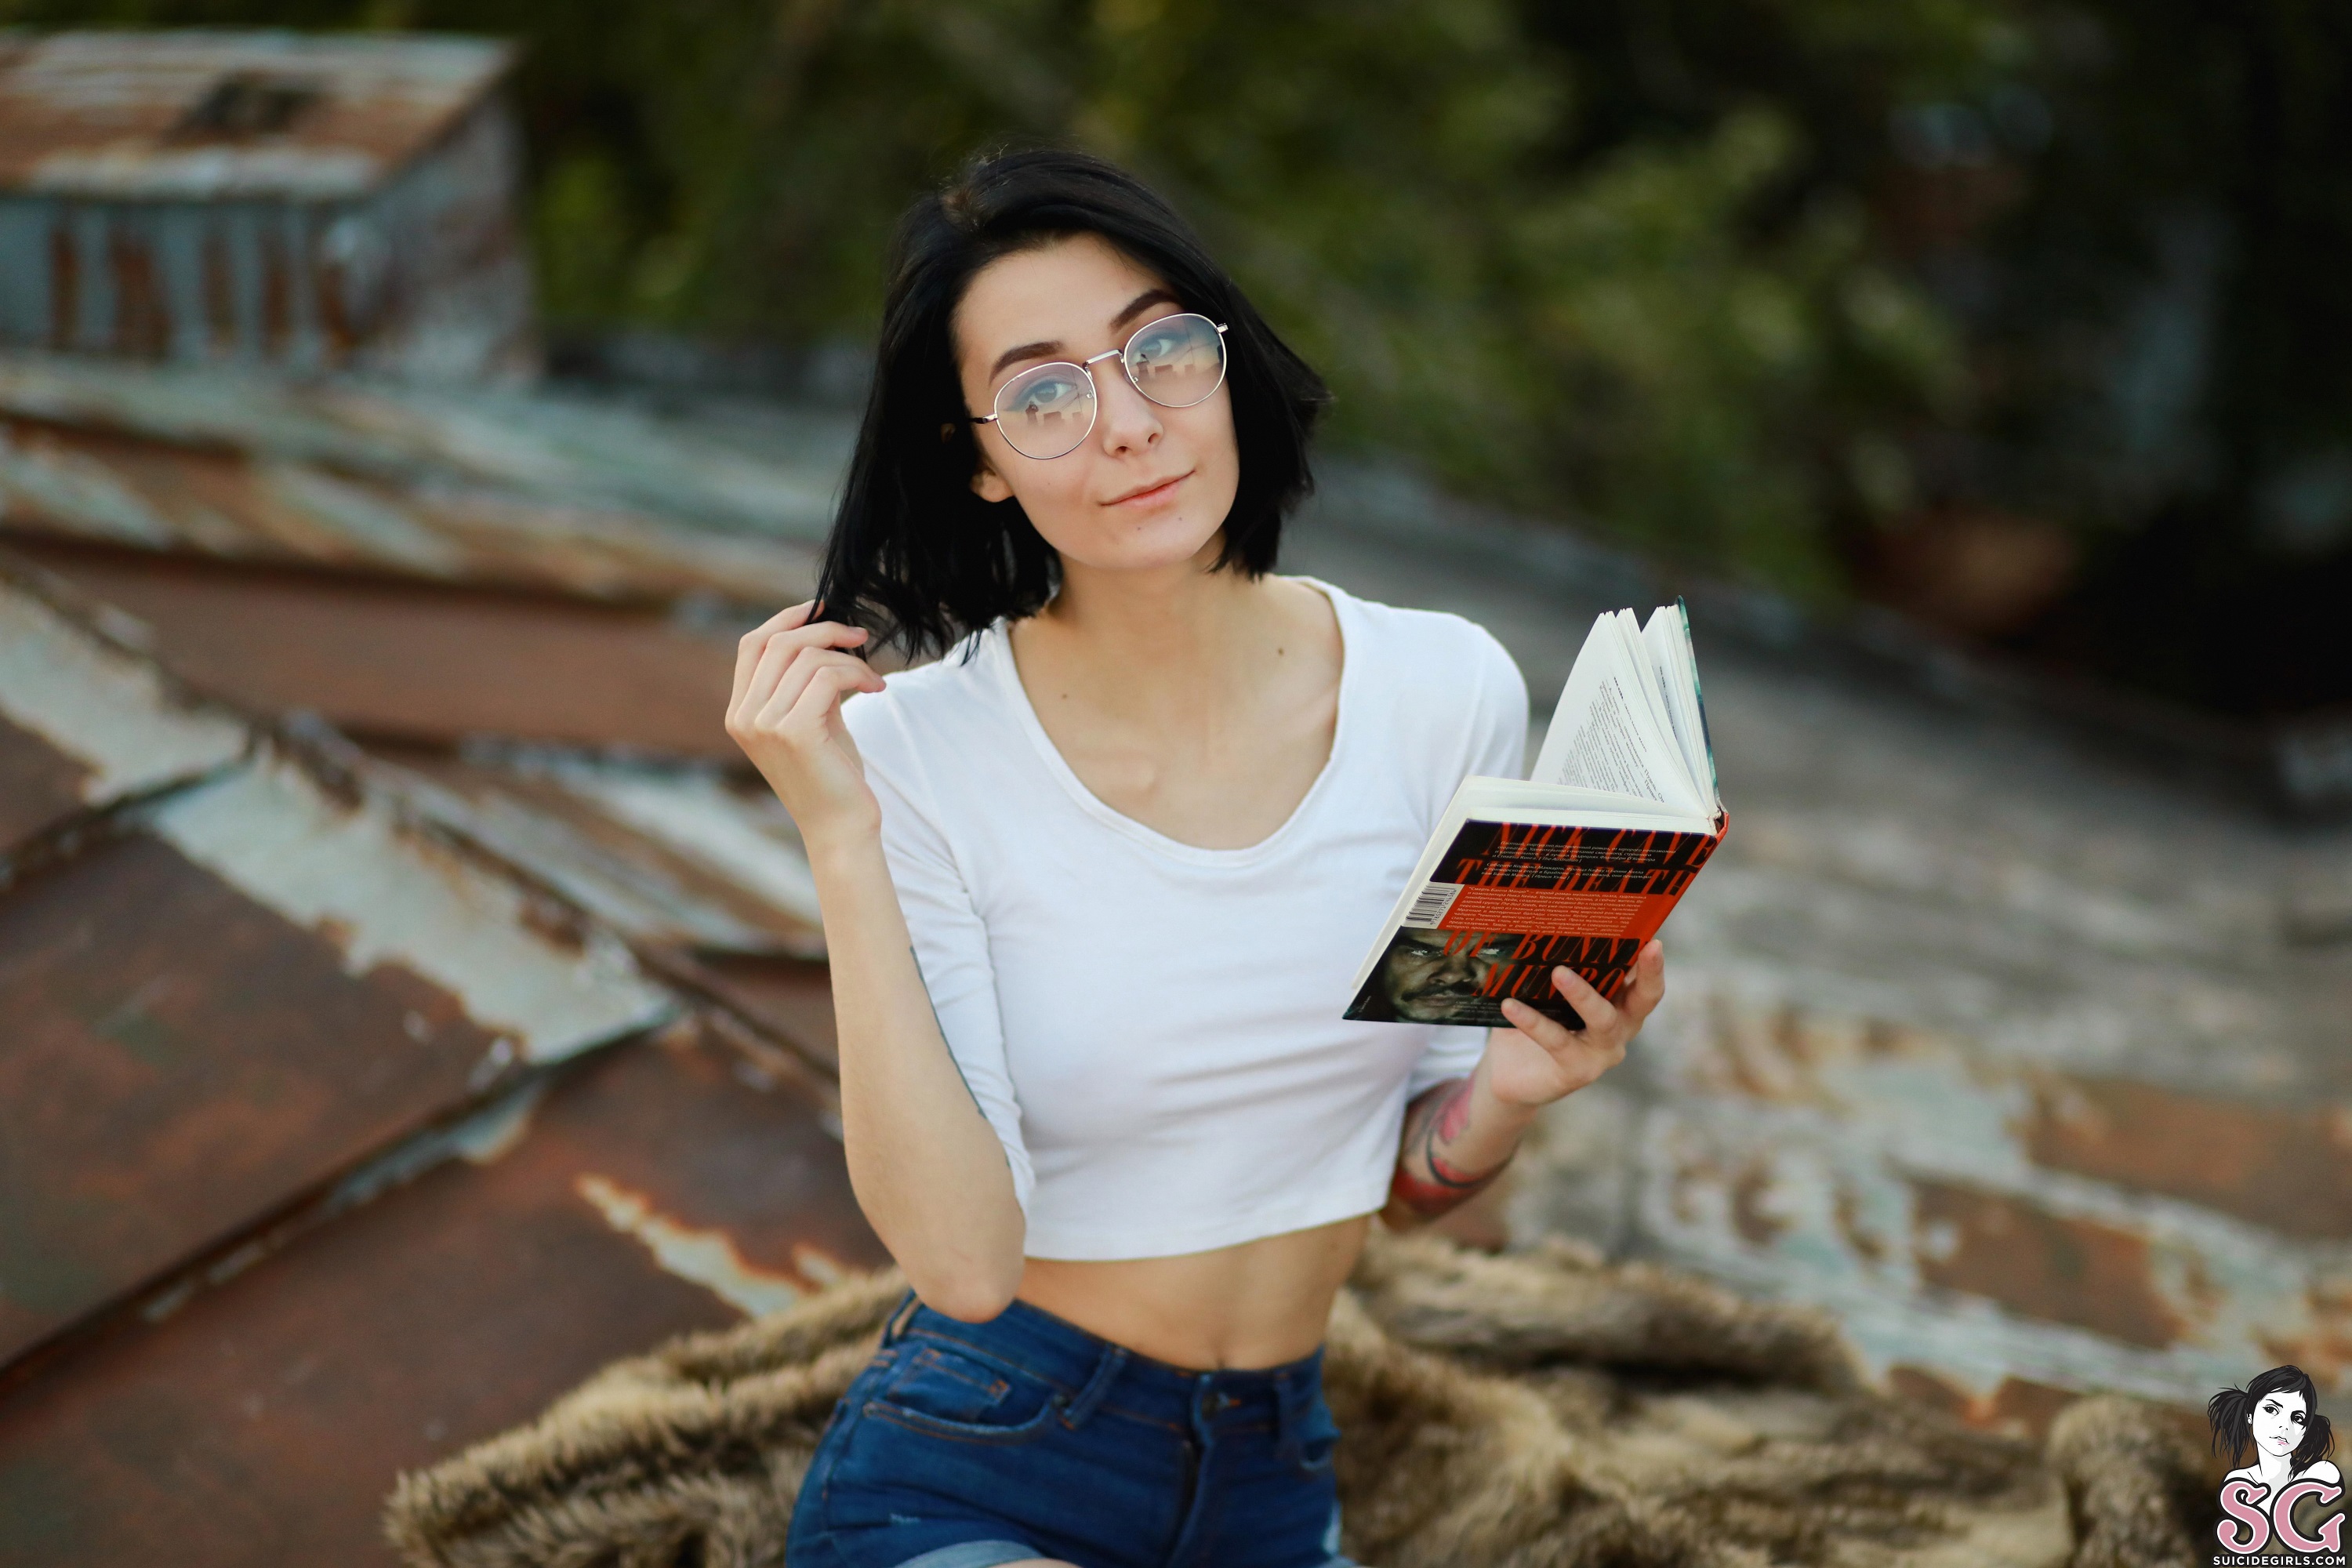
(2277, 1417)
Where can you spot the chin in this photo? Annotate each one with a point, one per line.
(1141, 544)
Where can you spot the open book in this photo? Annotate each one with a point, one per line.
(1578, 865)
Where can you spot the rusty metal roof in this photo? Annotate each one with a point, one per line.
(351, 860)
(190, 912)
(390, 659)
(731, 471)
(385, 492)
(413, 1003)
(680, 857)
(215, 114)
(660, 1187)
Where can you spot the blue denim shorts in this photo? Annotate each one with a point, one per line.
(968, 1445)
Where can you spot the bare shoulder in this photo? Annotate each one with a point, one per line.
(2325, 1470)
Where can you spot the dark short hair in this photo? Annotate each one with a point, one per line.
(915, 556)
(2230, 1410)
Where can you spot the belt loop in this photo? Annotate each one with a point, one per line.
(1289, 1405)
(900, 1315)
(1106, 1371)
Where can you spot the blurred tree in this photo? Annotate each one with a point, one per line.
(1902, 294)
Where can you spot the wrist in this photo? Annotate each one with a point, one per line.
(1513, 1115)
(841, 847)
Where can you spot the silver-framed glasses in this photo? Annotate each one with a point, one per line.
(1048, 410)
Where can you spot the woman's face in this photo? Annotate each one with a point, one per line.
(2278, 1421)
(1148, 486)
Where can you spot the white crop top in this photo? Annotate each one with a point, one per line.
(1153, 1030)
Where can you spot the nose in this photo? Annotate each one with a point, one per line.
(1455, 964)
(1125, 420)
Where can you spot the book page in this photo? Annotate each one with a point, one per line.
(1607, 733)
(1667, 638)
(1646, 674)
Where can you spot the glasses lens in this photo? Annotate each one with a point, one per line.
(1046, 410)
(1177, 361)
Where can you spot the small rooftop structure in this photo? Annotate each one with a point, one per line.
(313, 201)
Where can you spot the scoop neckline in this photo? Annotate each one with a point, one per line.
(1007, 672)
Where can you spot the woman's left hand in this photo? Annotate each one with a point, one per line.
(1539, 1061)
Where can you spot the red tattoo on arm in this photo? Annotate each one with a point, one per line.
(1445, 1186)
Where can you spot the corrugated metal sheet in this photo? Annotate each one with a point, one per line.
(101, 486)
(223, 114)
(84, 723)
(651, 1190)
(734, 470)
(1966, 1217)
(676, 857)
(237, 982)
(406, 662)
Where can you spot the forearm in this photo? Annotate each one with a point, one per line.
(925, 1165)
(1458, 1137)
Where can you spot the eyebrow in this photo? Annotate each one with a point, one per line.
(1135, 307)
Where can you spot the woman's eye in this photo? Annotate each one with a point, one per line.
(1049, 393)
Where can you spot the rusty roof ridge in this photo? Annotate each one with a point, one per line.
(120, 631)
(378, 427)
(481, 1130)
(64, 840)
(122, 634)
(430, 809)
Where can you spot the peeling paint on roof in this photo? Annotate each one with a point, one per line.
(627, 882)
(731, 471)
(105, 709)
(1903, 1178)
(387, 896)
(729, 834)
(706, 1256)
(83, 483)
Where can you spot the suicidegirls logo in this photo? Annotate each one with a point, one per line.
(2276, 1417)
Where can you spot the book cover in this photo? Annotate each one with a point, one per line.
(1507, 903)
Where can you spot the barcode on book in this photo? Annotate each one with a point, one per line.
(1429, 905)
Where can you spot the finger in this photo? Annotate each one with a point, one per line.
(1649, 987)
(1597, 1011)
(778, 654)
(1542, 1028)
(749, 647)
(801, 675)
(826, 689)
(791, 628)
(775, 659)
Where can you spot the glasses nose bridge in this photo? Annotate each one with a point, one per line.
(1127, 375)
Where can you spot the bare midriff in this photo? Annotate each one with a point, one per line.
(1253, 1304)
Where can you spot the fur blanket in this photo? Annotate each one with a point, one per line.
(1532, 1410)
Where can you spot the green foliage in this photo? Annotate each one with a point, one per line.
(1675, 328)
(1778, 285)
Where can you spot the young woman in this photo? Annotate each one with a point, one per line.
(1095, 885)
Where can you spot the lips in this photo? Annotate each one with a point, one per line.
(1140, 491)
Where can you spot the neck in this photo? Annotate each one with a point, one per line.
(1157, 635)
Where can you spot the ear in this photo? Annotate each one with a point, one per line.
(987, 483)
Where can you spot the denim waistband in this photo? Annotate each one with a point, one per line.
(1090, 1369)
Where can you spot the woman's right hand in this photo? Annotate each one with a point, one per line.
(789, 680)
